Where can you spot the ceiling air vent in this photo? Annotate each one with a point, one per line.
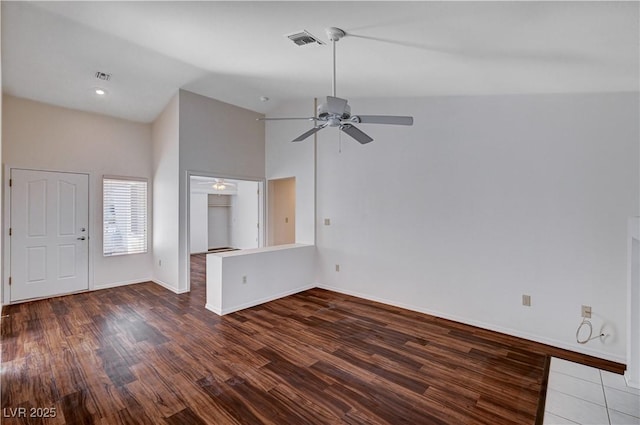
(103, 76)
(304, 37)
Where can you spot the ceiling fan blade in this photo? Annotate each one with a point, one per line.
(336, 105)
(283, 119)
(356, 133)
(383, 119)
(306, 134)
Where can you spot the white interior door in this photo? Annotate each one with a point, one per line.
(49, 233)
(244, 232)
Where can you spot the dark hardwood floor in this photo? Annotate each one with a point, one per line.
(143, 355)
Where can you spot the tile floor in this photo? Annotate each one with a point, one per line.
(579, 394)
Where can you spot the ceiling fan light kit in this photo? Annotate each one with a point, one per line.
(336, 112)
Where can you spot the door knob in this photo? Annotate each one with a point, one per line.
(81, 238)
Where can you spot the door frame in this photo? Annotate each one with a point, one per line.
(6, 239)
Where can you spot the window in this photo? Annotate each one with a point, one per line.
(124, 216)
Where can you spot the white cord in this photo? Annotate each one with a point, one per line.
(587, 323)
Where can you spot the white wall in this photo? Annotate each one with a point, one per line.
(244, 216)
(632, 374)
(483, 200)
(165, 196)
(216, 139)
(199, 219)
(287, 159)
(220, 138)
(40, 136)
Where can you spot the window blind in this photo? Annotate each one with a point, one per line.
(124, 216)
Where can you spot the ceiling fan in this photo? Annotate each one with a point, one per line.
(214, 183)
(336, 112)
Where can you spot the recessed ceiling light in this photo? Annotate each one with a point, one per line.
(100, 92)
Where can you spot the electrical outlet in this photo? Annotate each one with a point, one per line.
(586, 311)
(337, 267)
(327, 222)
(526, 300)
(244, 279)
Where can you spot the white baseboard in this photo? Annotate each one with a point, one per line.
(508, 331)
(169, 287)
(213, 309)
(121, 283)
(254, 303)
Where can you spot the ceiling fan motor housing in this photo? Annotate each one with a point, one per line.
(325, 115)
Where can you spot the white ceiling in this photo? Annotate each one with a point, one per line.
(237, 51)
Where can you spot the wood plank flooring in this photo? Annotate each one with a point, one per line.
(143, 355)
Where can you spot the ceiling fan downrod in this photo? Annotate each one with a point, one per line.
(334, 34)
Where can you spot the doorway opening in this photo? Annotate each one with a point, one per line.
(225, 214)
(281, 227)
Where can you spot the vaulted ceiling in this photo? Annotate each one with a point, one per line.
(237, 51)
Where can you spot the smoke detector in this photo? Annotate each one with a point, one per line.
(304, 37)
